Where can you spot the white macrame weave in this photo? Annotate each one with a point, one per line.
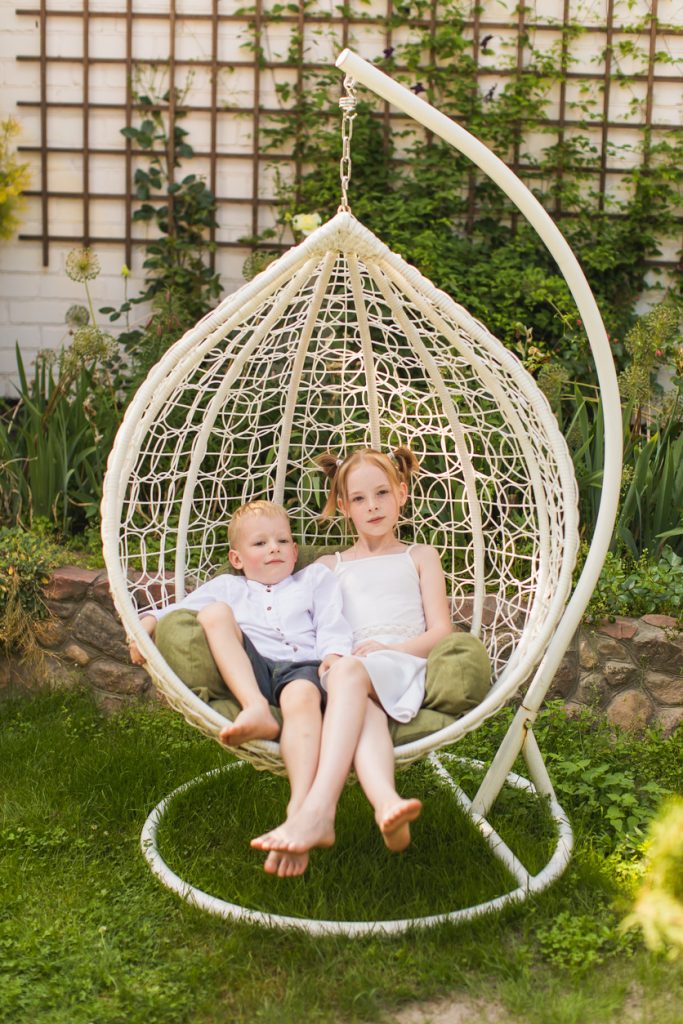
(341, 344)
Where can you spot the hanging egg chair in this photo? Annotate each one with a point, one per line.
(341, 344)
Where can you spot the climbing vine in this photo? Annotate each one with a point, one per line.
(429, 203)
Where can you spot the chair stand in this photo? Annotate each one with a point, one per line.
(528, 884)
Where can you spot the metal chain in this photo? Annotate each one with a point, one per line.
(348, 107)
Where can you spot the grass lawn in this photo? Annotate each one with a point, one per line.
(88, 936)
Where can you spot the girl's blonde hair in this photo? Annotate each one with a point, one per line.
(399, 467)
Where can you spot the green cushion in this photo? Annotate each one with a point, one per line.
(458, 670)
(458, 678)
(182, 643)
(458, 674)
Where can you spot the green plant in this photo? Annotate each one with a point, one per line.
(14, 178)
(55, 440)
(25, 563)
(431, 205)
(179, 283)
(658, 909)
(636, 587)
(87, 934)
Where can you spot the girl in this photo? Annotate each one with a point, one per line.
(395, 601)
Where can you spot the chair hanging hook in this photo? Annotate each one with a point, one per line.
(347, 104)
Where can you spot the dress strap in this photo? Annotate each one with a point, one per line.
(338, 560)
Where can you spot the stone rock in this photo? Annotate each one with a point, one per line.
(110, 703)
(658, 650)
(76, 654)
(669, 719)
(63, 609)
(50, 632)
(630, 710)
(100, 590)
(621, 673)
(662, 621)
(609, 649)
(155, 589)
(620, 629)
(113, 677)
(572, 709)
(592, 689)
(69, 582)
(665, 689)
(566, 677)
(463, 610)
(588, 654)
(99, 629)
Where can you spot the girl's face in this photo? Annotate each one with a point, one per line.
(372, 502)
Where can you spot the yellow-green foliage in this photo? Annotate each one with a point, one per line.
(658, 910)
(14, 178)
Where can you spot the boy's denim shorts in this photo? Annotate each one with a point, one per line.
(273, 676)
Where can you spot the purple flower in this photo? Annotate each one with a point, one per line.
(417, 88)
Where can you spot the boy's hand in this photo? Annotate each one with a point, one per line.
(327, 663)
(135, 655)
(149, 624)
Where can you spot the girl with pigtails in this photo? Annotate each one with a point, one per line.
(394, 598)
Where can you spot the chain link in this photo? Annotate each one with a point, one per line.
(348, 107)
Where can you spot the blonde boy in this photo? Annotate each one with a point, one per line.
(272, 633)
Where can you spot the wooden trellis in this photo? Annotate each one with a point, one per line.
(65, 36)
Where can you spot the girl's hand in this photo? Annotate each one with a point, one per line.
(368, 646)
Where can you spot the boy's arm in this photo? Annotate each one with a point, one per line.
(220, 589)
(149, 624)
(332, 631)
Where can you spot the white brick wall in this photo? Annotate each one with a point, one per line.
(33, 299)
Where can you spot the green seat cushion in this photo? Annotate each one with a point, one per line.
(458, 678)
(458, 675)
(458, 668)
(182, 643)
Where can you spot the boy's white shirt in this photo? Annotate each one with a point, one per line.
(298, 619)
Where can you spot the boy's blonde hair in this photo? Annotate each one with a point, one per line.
(253, 508)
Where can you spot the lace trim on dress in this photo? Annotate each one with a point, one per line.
(389, 629)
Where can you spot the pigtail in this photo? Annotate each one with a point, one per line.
(329, 464)
(406, 463)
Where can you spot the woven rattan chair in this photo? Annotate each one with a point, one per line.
(338, 344)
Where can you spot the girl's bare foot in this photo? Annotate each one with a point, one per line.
(394, 824)
(252, 723)
(285, 864)
(297, 834)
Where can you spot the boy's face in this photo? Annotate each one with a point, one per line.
(264, 549)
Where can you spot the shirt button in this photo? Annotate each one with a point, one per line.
(269, 608)
(294, 647)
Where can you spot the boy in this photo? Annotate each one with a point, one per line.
(272, 633)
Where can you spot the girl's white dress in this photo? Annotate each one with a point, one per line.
(383, 602)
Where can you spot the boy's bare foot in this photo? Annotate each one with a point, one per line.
(285, 864)
(297, 834)
(395, 824)
(252, 723)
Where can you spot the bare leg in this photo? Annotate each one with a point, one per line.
(348, 688)
(300, 748)
(374, 764)
(224, 638)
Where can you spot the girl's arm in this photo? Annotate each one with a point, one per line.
(434, 602)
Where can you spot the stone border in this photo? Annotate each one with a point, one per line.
(631, 669)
